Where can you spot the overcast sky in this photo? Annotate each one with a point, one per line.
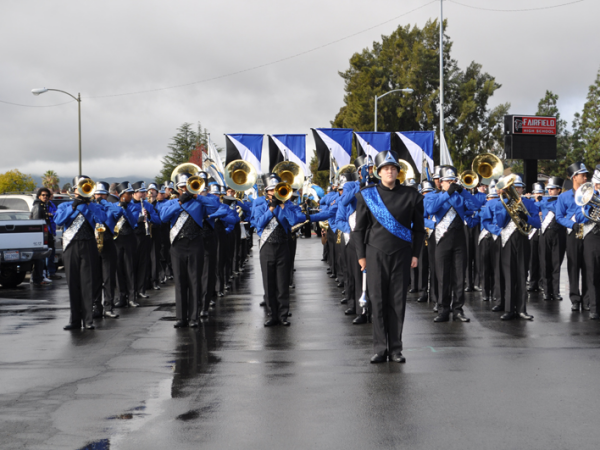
(109, 47)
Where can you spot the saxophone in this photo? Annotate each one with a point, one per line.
(99, 234)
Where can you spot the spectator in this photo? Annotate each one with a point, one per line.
(39, 211)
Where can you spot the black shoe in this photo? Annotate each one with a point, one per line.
(377, 358)
(533, 289)
(412, 290)
(262, 303)
(423, 298)
(170, 277)
(220, 294)
(203, 314)
(525, 316)
(575, 306)
(477, 289)
(212, 304)
(90, 327)
(461, 317)
(558, 297)
(133, 304)
(397, 358)
(360, 319)
(120, 305)
(585, 307)
(350, 312)
(111, 314)
(344, 301)
(271, 323)
(336, 279)
(292, 286)
(72, 326)
(547, 297)
(593, 316)
(285, 323)
(344, 292)
(332, 276)
(143, 295)
(485, 299)
(435, 308)
(498, 308)
(193, 324)
(156, 287)
(442, 317)
(228, 286)
(97, 313)
(468, 289)
(323, 259)
(163, 281)
(328, 270)
(508, 316)
(180, 324)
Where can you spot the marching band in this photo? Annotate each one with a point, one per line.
(477, 231)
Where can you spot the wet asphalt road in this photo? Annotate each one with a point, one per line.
(135, 382)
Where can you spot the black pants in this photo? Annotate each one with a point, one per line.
(81, 266)
(237, 247)
(331, 256)
(353, 276)
(535, 268)
(591, 256)
(209, 269)
(141, 261)
(552, 247)
(107, 266)
(489, 260)
(514, 271)
(125, 245)
(292, 242)
(471, 236)
(450, 262)
(575, 267)
(221, 236)
(340, 254)
(165, 252)
(274, 264)
(499, 285)
(187, 258)
(433, 281)
(156, 265)
(388, 277)
(421, 272)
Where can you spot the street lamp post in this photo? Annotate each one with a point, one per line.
(406, 90)
(39, 91)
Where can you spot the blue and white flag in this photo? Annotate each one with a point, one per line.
(419, 145)
(335, 142)
(245, 146)
(288, 146)
(372, 142)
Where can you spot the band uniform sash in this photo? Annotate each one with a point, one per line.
(384, 217)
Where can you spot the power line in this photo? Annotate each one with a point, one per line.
(515, 10)
(36, 106)
(269, 63)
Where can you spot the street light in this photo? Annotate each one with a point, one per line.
(406, 91)
(39, 91)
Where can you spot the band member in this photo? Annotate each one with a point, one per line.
(591, 249)
(451, 208)
(535, 269)
(552, 242)
(514, 243)
(107, 254)
(489, 255)
(147, 217)
(214, 191)
(565, 215)
(273, 227)
(431, 285)
(80, 256)
(389, 234)
(113, 194)
(153, 275)
(472, 283)
(125, 244)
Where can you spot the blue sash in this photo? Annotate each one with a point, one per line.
(383, 216)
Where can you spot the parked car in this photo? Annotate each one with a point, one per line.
(22, 240)
(24, 202)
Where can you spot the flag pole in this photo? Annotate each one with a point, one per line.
(441, 74)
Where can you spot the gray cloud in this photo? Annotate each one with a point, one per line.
(114, 47)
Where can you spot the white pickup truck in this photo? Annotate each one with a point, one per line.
(22, 240)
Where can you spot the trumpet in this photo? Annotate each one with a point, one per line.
(469, 179)
(86, 187)
(511, 200)
(283, 191)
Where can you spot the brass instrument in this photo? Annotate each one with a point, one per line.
(299, 225)
(147, 223)
(86, 188)
(240, 175)
(195, 184)
(348, 169)
(469, 179)
(586, 195)
(324, 224)
(488, 166)
(283, 191)
(290, 173)
(184, 168)
(513, 203)
(406, 172)
(339, 237)
(99, 234)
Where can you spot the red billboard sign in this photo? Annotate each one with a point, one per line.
(534, 125)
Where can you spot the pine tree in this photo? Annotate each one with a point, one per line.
(587, 127)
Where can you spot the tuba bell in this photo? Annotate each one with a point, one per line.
(511, 200)
(184, 168)
(86, 187)
(586, 195)
(488, 166)
(240, 175)
(290, 173)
